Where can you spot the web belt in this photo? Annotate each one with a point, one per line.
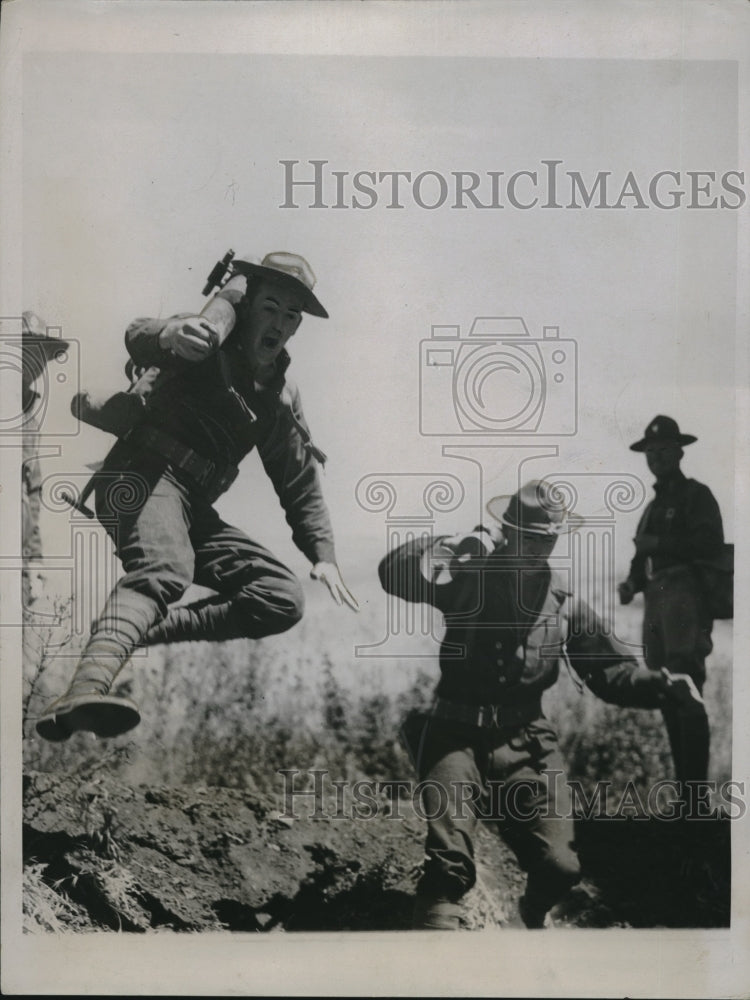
(487, 716)
(212, 478)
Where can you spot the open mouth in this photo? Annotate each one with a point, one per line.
(270, 343)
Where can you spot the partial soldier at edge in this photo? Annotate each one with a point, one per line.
(37, 347)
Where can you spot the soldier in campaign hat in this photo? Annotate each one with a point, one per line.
(485, 748)
(680, 528)
(38, 345)
(220, 390)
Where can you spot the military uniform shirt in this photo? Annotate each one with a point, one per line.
(686, 521)
(215, 408)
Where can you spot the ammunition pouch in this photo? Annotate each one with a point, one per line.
(211, 478)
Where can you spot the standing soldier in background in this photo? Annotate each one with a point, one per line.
(216, 389)
(37, 347)
(509, 620)
(680, 527)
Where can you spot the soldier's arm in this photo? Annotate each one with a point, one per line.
(637, 574)
(144, 342)
(400, 571)
(290, 465)
(186, 336)
(443, 571)
(607, 666)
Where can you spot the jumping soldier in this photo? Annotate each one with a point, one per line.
(217, 389)
(485, 748)
(680, 528)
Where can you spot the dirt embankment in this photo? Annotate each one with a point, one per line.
(103, 854)
(194, 858)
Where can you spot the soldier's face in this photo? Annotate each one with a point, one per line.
(522, 543)
(663, 459)
(270, 320)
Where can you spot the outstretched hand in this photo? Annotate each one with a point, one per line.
(329, 574)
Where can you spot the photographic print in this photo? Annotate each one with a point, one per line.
(374, 498)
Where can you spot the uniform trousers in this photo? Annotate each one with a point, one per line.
(514, 778)
(677, 635)
(168, 536)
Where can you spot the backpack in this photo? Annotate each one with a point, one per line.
(716, 579)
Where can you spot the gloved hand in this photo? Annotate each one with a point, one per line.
(193, 338)
(329, 574)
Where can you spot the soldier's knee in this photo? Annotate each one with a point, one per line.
(291, 608)
(273, 611)
(164, 588)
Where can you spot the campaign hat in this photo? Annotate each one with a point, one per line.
(289, 265)
(662, 430)
(536, 509)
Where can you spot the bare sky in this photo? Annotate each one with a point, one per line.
(141, 169)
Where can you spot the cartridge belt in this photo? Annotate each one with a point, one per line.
(487, 716)
(214, 479)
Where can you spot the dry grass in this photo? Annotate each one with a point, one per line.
(233, 714)
(45, 909)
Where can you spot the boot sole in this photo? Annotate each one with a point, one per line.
(103, 715)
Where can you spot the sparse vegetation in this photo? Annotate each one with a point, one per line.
(231, 716)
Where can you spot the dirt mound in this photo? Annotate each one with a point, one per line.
(193, 858)
(104, 854)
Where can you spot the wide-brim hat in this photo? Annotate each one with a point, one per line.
(660, 431)
(536, 509)
(34, 333)
(287, 265)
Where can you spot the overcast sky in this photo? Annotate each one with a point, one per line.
(140, 170)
